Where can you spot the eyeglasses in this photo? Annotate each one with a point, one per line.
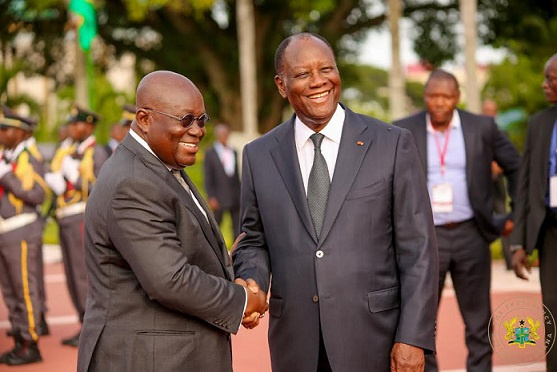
(186, 120)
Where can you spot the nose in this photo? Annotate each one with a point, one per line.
(317, 79)
(195, 130)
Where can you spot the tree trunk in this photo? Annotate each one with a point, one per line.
(248, 78)
(468, 12)
(397, 98)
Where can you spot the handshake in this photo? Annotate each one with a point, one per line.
(257, 303)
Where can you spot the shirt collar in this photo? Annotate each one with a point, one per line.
(13, 154)
(333, 129)
(454, 124)
(143, 143)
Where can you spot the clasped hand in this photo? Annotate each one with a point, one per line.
(257, 303)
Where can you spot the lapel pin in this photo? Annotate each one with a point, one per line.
(359, 143)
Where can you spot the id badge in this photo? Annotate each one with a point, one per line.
(553, 191)
(442, 198)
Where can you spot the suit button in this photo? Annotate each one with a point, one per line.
(319, 254)
(315, 298)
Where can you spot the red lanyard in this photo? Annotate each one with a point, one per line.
(442, 152)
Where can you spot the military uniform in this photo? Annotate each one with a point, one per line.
(74, 170)
(120, 129)
(22, 190)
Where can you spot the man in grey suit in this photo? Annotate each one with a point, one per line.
(456, 149)
(350, 259)
(160, 296)
(536, 210)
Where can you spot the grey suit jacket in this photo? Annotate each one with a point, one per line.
(483, 142)
(160, 295)
(533, 180)
(367, 281)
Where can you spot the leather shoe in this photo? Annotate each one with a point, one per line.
(28, 353)
(72, 341)
(17, 345)
(43, 329)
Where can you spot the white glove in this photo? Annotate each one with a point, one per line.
(5, 168)
(56, 182)
(70, 168)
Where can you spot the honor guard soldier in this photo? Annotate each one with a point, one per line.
(74, 170)
(121, 128)
(22, 190)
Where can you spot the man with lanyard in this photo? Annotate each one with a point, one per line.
(22, 190)
(456, 149)
(74, 170)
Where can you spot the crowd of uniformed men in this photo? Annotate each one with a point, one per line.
(31, 191)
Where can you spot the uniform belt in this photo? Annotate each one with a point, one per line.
(71, 210)
(453, 225)
(15, 222)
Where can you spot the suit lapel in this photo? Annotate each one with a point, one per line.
(420, 139)
(349, 161)
(209, 225)
(156, 166)
(470, 142)
(546, 133)
(286, 159)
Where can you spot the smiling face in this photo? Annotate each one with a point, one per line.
(173, 94)
(310, 80)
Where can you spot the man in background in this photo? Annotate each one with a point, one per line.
(456, 149)
(222, 182)
(22, 191)
(74, 171)
(536, 210)
(500, 210)
(120, 129)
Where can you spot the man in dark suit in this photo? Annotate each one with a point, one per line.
(456, 149)
(335, 204)
(536, 209)
(161, 296)
(222, 182)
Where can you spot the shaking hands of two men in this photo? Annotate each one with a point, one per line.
(257, 303)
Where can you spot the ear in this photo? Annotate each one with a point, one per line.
(280, 85)
(142, 120)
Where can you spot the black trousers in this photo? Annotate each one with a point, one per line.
(323, 363)
(465, 254)
(547, 249)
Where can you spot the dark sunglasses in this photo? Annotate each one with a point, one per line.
(186, 120)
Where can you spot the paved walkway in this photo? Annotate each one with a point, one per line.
(250, 348)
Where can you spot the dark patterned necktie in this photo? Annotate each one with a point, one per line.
(318, 185)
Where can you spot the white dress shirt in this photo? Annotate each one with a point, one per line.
(329, 146)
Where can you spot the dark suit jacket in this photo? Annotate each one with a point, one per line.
(483, 142)
(533, 180)
(373, 285)
(160, 295)
(218, 184)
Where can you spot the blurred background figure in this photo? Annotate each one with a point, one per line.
(456, 149)
(22, 191)
(536, 209)
(74, 170)
(500, 210)
(222, 182)
(121, 128)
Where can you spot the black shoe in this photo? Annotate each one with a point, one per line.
(72, 341)
(42, 329)
(17, 345)
(28, 353)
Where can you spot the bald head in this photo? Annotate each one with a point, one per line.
(159, 89)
